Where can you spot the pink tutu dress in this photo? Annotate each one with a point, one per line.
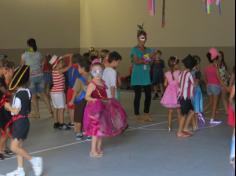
(105, 117)
(170, 97)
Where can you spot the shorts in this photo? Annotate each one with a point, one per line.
(186, 106)
(36, 85)
(79, 111)
(47, 77)
(20, 129)
(69, 96)
(58, 100)
(213, 90)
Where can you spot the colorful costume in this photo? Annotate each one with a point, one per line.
(104, 117)
(170, 97)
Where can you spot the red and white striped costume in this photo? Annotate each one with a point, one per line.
(186, 85)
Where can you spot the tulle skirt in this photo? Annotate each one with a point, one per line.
(104, 118)
(170, 97)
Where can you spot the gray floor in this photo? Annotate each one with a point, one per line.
(146, 149)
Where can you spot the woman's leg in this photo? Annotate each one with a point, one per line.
(214, 106)
(148, 98)
(137, 99)
(209, 104)
(224, 99)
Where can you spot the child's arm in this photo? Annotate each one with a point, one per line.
(9, 108)
(77, 88)
(69, 65)
(113, 92)
(165, 82)
(91, 88)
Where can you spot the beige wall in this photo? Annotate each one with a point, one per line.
(54, 23)
(112, 23)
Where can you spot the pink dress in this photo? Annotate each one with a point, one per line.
(170, 97)
(105, 117)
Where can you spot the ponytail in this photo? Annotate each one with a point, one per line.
(32, 44)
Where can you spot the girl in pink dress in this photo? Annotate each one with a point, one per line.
(103, 117)
(170, 97)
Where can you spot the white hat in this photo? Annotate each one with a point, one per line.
(54, 60)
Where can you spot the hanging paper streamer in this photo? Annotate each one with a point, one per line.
(152, 7)
(163, 21)
(210, 3)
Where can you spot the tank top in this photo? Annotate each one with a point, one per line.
(58, 82)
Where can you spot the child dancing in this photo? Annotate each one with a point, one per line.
(103, 117)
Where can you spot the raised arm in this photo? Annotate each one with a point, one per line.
(65, 69)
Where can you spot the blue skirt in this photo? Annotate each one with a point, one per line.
(198, 100)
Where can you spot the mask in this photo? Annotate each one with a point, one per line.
(97, 73)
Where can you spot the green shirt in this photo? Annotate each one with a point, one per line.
(140, 72)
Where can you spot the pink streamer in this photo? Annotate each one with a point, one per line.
(152, 7)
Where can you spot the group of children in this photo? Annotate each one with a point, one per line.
(91, 96)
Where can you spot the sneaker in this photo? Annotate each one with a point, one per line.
(215, 122)
(71, 125)
(88, 138)
(2, 156)
(16, 173)
(64, 127)
(79, 136)
(37, 165)
(56, 125)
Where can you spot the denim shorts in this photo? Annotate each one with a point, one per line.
(213, 89)
(36, 85)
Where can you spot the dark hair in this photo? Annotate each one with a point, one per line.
(159, 52)
(76, 58)
(189, 62)
(32, 43)
(114, 56)
(222, 61)
(8, 64)
(197, 58)
(86, 55)
(210, 59)
(104, 53)
(172, 62)
(84, 63)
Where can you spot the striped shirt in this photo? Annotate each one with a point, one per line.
(186, 85)
(58, 82)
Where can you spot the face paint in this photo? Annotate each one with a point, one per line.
(142, 38)
(97, 73)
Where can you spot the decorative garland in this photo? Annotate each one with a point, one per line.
(163, 21)
(210, 3)
(151, 7)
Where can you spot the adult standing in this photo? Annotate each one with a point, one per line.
(140, 77)
(33, 58)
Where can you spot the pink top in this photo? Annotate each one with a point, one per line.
(170, 76)
(211, 75)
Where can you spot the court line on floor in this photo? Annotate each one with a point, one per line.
(81, 142)
(85, 141)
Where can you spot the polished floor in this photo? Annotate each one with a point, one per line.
(146, 149)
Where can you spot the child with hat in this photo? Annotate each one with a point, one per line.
(20, 124)
(57, 90)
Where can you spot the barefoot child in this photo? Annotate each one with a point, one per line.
(57, 91)
(185, 97)
(170, 97)
(78, 98)
(103, 117)
(20, 124)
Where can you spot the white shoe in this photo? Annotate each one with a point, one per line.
(16, 173)
(37, 165)
(214, 122)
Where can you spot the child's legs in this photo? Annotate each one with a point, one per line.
(209, 104)
(71, 115)
(161, 88)
(179, 114)
(35, 103)
(170, 114)
(78, 127)
(214, 106)
(3, 140)
(46, 100)
(16, 147)
(181, 123)
(94, 144)
(61, 115)
(99, 145)
(188, 121)
(55, 115)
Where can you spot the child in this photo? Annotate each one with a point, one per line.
(47, 74)
(185, 97)
(4, 115)
(110, 74)
(103, 117)
(20, 109)
(104, 56)
(72, 75)
(170, 97)
(57, 91)
(78, 98)
(198, 96)
(213, 81)
(158, 74)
